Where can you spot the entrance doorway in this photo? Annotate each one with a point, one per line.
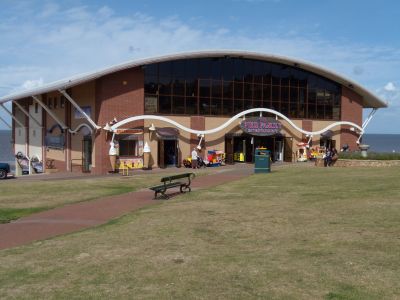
(241, 148)
(272, 143)
(86, 153)
(278, 151)
(167, 153)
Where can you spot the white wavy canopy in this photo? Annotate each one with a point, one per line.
(231, 120)
(79, 127)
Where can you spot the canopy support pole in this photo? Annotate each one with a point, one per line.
(95, 126)
(369, 118)
(12, 115)
(63, 126)
(27, 113)
(366, 122)
(5, 122)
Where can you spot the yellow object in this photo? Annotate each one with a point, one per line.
(124, 165)
(238, 156)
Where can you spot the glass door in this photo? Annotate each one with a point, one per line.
(87, 154)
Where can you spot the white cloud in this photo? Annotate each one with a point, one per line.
(49, 9)
(392, 95)
(390, 87)
(105, 12)
(34, 83)
(80, 39)
(63, 42)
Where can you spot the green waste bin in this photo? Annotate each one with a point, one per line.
(262, 161)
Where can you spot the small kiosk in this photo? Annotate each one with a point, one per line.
(302, 152)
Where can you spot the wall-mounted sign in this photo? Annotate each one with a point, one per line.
(261, 126)
(52, 140)
(86, 109)
(128, 131)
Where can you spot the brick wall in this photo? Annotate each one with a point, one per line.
(308, 126)
(196, 123)
(119, 95)
(351, 111)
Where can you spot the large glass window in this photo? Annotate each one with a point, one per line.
(204, 106)
(216, 89)
(205, 87)
(179, 87)
(164, 104)
(216, 107)
(227, 107)
(178, 105)
(191, 106)
(228, 85)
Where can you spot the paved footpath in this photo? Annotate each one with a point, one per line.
(78, 216)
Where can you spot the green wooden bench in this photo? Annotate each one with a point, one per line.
(182, 180)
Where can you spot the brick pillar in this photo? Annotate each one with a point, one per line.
(306, 125)
(120, 95)
(196, 123)
(351, 110)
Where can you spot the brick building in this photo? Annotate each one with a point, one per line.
(66, 124)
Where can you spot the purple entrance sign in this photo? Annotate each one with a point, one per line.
(261, 126)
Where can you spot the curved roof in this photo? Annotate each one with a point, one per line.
(370, 100)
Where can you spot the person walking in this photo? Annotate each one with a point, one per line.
(194, 158)
(335, 156)
(328, 158)
(113, 152)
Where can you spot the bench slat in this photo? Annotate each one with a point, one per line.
(179, 176)
(168, 185)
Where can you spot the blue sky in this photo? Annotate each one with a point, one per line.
(42, 41)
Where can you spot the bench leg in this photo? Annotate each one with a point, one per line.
(184, 188)
(163, 195)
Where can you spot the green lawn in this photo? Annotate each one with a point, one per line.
(19, 198)
(297, 233)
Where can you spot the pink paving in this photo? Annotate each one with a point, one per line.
(78, 216)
